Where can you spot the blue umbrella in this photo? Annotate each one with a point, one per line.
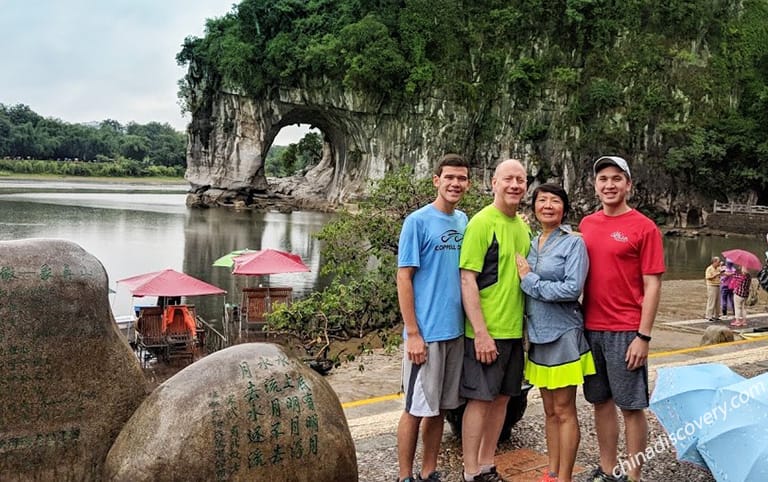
(735, 446)
(682, 400)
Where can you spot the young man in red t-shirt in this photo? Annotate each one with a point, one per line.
(621, 297)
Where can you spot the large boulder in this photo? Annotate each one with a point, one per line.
(249, 412)
(69, 381)
(715, 334)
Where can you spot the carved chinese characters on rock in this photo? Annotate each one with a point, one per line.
(68, 381)
(282, 424)
(249, 412)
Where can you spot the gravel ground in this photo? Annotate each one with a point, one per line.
(681, 300)
(377, 454)
(377, 461)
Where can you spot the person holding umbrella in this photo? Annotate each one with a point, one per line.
(740, 283)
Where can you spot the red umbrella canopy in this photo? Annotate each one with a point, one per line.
(743, 258)
(268, 261)
(169, 282)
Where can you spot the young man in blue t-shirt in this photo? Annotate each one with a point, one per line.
(429, 293)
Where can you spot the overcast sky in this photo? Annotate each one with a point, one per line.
(91, 60)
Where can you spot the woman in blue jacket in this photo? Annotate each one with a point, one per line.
(559, 357)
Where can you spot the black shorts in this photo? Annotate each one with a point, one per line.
(628, 389)
(502, 377)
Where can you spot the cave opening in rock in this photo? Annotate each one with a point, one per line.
(294, 150)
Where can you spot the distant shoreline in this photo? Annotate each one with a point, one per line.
(94, 180)
(703, 231)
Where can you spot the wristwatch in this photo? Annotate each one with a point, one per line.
(643, 337)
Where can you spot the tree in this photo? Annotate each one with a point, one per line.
(134, 147)
(5, 135)
(360, 251)
(23, 133)
(289, 160)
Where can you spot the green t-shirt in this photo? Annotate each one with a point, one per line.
(490, 243)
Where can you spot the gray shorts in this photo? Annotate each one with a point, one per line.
(628, 389)
(504, 376)
(434, 385)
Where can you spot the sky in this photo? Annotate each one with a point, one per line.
(92, 60)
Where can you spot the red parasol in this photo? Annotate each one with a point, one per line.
(268, 261)
(743, 258)
(169, 282)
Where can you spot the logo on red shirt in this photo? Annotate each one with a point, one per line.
(619, 236)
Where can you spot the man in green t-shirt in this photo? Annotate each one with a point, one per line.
(494, 306)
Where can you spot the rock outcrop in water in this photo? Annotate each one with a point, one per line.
(553, 85)
(229, 142)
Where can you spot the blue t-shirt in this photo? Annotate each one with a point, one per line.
(431, 242)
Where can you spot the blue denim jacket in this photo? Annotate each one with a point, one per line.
(553, 286)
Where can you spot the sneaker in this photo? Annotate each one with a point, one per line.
(407, 479)
(491, 476)
(599, 476)
(433, 477)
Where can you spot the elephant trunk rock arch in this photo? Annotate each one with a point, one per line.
(230, 135)
(365, 137)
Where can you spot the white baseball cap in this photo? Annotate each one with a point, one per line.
(612, 161)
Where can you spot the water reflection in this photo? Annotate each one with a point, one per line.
(212, 233)
(135, 233)
(687, 258)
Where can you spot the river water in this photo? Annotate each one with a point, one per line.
(134, 229)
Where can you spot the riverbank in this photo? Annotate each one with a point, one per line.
(6, 176)
(278, 198)
(701, 231)
(284, 195)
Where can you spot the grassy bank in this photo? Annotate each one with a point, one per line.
(15, 176)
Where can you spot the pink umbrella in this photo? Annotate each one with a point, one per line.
(743, 258)
(268, 261)
(169, 282)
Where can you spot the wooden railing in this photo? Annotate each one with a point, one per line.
(739, 208)
(214, 340)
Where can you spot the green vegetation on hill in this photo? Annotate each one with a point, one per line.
(681, 83)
